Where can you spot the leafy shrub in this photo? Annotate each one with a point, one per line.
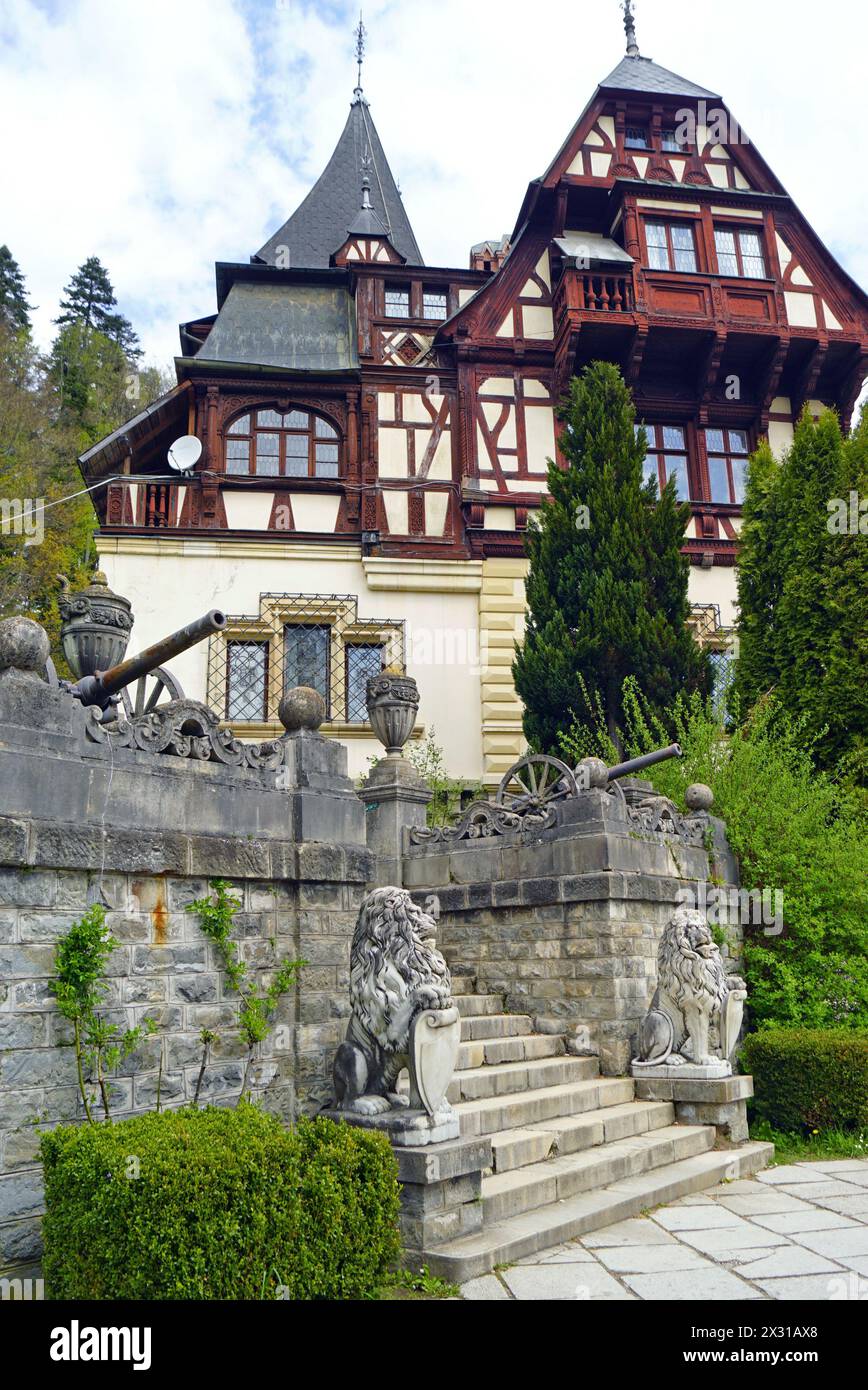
(217, 1204)
(807, 1079)
(792, 828)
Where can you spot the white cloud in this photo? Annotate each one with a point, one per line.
(165, 136)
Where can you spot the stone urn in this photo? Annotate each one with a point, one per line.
(393, 703)
(96, 627)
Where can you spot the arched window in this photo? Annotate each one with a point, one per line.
(273, 444)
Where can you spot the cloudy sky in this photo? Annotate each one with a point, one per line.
(165, 135)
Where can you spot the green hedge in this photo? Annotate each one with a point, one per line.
(217, 1204)
(808, 1079)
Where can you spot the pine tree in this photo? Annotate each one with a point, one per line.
(14, 309)
(89, 300)
(607, 583)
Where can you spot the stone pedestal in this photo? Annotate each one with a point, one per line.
(406, 1128)
(441, 1193)
(722, 1102)
(395, 798)
(440, 1177)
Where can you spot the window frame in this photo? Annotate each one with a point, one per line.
(233, 642)
(641, 128)
(729, 456)
(324, 628)
(405, 289)
(316, 442)
(659, 451)
(434, 292)
(351, 646)
(735, 230)
(667, 224)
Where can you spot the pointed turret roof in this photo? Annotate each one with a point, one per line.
(637, 74)
(319, 225)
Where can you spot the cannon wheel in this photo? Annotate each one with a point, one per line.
(149, 691)
(535, 782)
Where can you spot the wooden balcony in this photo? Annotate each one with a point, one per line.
(595, 291)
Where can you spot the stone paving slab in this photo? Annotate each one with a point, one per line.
(799, 1231)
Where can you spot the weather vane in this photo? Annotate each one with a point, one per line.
(361, 35)
(630, 28)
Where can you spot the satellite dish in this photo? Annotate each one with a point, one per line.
(185, 453)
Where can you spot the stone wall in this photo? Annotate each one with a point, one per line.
(85, 819)
(565, 919)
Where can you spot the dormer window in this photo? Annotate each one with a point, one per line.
(282, 444)
(636, 138)
(670, 246)
(397, 302)
(739, 253)
(670, 143)
(433, 304)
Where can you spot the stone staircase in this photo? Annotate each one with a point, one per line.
(572, 1151)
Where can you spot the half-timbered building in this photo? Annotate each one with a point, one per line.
(376, 431)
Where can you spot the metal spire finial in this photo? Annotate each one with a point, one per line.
(366, 166)
(630, 29)
(361, 36)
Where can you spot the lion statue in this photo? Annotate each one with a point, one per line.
(396, 972)
(695, 1015)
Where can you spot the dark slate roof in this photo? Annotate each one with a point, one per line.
(643, 75)
(299, 327)
(319, 226)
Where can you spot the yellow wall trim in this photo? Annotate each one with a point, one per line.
(423, 576)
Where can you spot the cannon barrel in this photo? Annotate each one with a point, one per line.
(660, 755)
(99, 688)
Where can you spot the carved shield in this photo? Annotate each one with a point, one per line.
(730, 1023)
(435, 1035)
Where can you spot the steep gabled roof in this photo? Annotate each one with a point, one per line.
(637, 74)
(319, 226)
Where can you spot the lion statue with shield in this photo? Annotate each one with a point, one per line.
(403, 1014)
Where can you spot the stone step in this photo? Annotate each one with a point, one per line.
(494, 1026)
(509, 1194)
(472, 1005)
(514, 1239)
(515, 1148)
(510, 1078)
(497, 1113)
(521, 1048)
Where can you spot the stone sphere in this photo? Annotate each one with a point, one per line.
(699, 797)
(592, 772)
(301, 708)
(24, 645)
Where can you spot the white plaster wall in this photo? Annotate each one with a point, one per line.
(539, 426)
(715, 586)
(248, 510)
(442, 628)
(780, 436)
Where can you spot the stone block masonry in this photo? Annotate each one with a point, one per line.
(165, 969)
(564, 920)
(142, 833)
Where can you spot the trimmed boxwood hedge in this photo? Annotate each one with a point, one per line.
(217, 1204)
(808, 1079)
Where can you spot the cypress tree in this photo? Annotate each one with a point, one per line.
(607, 583)
(803, 587)
(760, 580)
(14, 309)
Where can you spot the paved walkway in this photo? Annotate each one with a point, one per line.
(797, 1231)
